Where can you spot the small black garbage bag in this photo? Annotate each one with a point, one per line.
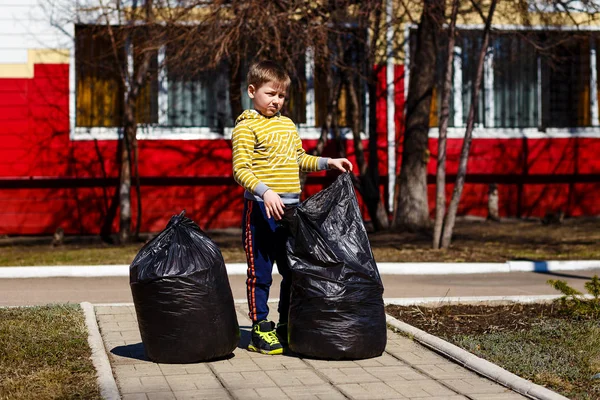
(336, 302)
(182, 296)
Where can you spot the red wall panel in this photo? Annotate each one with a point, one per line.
(534, 176)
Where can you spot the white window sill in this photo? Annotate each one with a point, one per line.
(192, 133)
(520, 133)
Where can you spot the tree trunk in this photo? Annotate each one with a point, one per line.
(369, 186)
(138, 186)
(413, 208)
(440, 182)
(464, 154)
(125, 189)
(134, 86)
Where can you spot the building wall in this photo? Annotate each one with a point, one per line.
(49, 180)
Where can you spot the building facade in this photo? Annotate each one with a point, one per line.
(537, 131)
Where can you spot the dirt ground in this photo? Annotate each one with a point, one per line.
(477, 241)
(473, 241)
(472, 319)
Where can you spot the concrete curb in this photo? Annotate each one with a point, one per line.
(91, 271)
(410, 301)
(106, 380)
(441, 301)
(476, 364)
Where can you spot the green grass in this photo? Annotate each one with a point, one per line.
(44, 354)
(560, 354)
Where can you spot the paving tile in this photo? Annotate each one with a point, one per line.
(241, 380)
(319, 364)
(182, 369)
(421, 389)
(144, 384)
(446, 370)
(104, 318)
(193, 382)
(268, 363)
(272, 393)
(395, 373)
(297, 377)
(323, 392)
(137, 370)
(405, 370)
(135, 396)
(369, 391)
(202, 394)
(475, 386)
(127, 325)
(131, 335)
(234, 365)
(161, 396)
(110, 327)
(415, 355)
(114, 310)
(347, 375)
(383, 360)
(498, 396)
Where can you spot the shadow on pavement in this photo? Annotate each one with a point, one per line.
(558, 274)
(131, 351)
(244, 337)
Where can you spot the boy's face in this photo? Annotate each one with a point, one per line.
(268, 98)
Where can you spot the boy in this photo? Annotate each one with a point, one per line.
(267, 157)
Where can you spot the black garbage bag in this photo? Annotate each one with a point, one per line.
(182, 296)
(336, 302)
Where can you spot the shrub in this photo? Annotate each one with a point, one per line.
(575, 303)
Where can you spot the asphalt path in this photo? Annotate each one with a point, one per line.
(41, 291)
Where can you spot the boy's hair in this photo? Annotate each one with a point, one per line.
(267, 71)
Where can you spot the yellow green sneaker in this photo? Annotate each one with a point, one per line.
(264, 339)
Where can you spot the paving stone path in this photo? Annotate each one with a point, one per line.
(406, 370)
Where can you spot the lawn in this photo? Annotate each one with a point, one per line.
(539, 342)
(44, 354)
(474, 241)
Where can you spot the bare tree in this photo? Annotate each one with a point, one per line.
(440, 184)
(335, 33)
(464, 154)
(205, 36)
(413, 209)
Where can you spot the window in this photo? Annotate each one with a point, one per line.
(515, 82)
(196, 98)
(181, 97)
(100, 91)
(566, 81)
(531, 80)
(346, 73)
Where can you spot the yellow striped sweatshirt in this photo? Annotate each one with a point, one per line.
(268, 154)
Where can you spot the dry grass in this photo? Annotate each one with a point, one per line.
(539, 342)
(474, 241)
(44, 354)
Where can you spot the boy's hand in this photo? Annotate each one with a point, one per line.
(273, 204)
(341, 164)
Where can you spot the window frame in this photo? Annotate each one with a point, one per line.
(161, 131)
(486, 131)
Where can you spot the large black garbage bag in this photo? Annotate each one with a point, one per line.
(182, 296)
(336, 302)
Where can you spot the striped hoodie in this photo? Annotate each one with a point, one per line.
(268, 154)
